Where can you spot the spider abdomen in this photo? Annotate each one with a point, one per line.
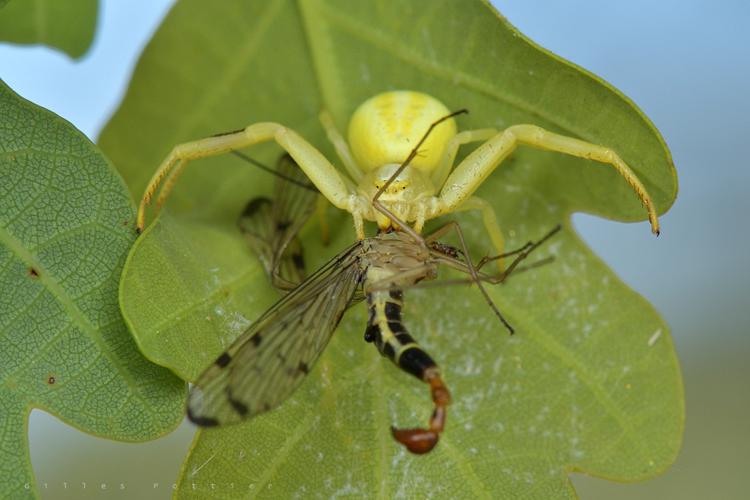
(385, 128)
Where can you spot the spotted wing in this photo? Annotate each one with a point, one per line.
(270, 359)
(271, 226)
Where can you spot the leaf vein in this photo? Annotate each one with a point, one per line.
(77, 316)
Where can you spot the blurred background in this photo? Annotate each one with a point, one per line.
(685, 63)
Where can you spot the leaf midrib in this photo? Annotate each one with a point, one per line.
(40, 21)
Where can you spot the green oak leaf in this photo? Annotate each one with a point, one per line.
(68, 26)
(66, 224)
(589, 383)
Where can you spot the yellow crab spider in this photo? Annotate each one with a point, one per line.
(382, 133)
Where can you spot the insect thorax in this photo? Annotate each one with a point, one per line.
(392, 258)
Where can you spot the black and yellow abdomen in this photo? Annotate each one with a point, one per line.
(386, 330)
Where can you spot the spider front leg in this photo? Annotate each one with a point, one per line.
(317, 168)
(476, 167)
(474, 203)
(458, 140)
